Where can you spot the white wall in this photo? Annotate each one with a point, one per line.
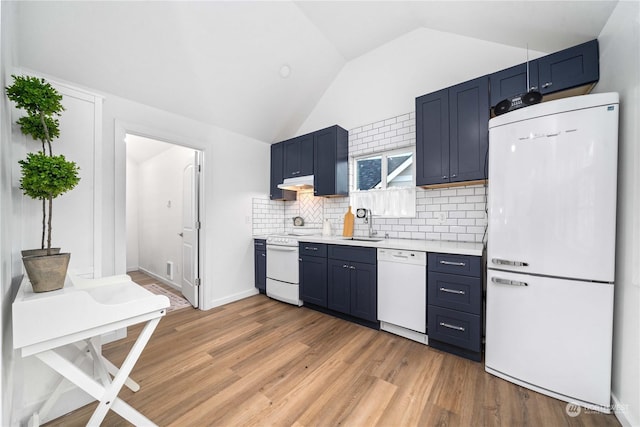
(160, 212)
(385, 82)
(74, 213)
(132, 216)
(620, 72)
(9, 209)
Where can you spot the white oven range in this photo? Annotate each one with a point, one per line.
(282, 269)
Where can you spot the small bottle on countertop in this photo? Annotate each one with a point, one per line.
(326, 228)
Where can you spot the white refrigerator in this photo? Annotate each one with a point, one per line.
(551, 247)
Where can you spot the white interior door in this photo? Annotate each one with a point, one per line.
(190, 230)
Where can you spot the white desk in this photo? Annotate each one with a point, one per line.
(79, 313)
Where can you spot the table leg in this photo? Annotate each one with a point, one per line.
(106, 394)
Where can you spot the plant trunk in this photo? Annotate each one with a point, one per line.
(49, 225)
(44, 219)
(46, 132)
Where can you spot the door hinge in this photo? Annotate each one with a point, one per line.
(198, 225)
(197, 281)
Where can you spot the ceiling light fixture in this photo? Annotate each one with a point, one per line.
(285, 71)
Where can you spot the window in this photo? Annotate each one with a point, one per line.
(385, 170)
(385, 183)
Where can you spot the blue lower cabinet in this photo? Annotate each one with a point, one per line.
(313, 280)
(455, 304)
(339, 286)
(455, 327)
(352, 284)
(260, 264)
(364, 291)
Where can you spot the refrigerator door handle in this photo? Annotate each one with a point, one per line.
(500, 261)
(508, 282)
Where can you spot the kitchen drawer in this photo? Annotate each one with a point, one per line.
(312, 249)
(456, 292)
(260, 244)
(353, 253)
(454, 327)
(467, 265)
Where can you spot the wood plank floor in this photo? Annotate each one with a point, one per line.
(258, 362)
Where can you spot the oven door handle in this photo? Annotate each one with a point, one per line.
(282, 248)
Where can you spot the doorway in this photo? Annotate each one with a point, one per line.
(163, 213)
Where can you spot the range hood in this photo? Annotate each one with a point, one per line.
(297, 183)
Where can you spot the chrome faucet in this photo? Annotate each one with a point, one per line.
(369, 220)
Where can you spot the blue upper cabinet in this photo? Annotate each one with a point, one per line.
(323, 154)
(452, 133)
(569, 68)
(513, 82)
(468, 130)
(432, 138)
(277, 168)
(331, 162)
(298, 156)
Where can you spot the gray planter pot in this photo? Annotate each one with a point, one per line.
(39, 252)
(47, 273)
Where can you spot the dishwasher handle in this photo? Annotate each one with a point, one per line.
(402, 256)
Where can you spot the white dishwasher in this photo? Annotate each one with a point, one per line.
(402, 293)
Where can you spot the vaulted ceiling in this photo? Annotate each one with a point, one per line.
(220, 62)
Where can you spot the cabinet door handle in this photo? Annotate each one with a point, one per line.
(453, 175)
(352, 267)
(264, 255)
(309, 248)
(444, 177)
(345, 266)
(454, 327)
(453, 291)
(300, 259)
(456, 264)
(508, 282)
(546, 85)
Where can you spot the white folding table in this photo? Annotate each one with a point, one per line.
(79, 314)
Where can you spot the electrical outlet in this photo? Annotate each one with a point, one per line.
(441, 217)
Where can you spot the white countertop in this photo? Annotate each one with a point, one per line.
(443, 246)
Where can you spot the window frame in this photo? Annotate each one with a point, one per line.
(384, 173)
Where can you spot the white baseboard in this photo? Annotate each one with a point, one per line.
(228, 299)
(621, 411)
(161, 279)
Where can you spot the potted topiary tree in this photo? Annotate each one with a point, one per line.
(44, 176)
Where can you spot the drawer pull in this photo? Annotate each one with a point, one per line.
(457, 264)
(345, 266)
(452, 291)
(309, 248)
(352, 267)
(457, 328)
(508, 282)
